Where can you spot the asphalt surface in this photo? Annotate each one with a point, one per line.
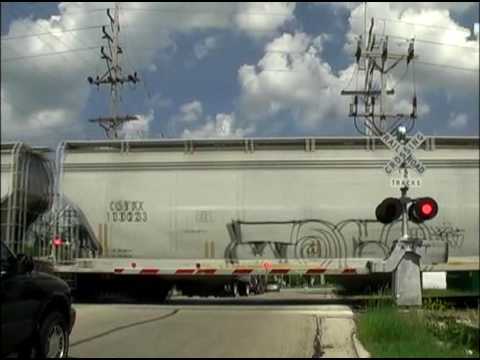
(270, 325)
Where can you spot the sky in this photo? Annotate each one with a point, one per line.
(216, 70)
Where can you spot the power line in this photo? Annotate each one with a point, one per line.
(27, 3)
(429, 41)
(51, 74)
(269, 31)
(136, 26)
(86, 10)
(211, 11)
(446, 66)
(50, 54)
(37, 69)
(58, 39)
(420, 62)
(37, 4)
(172, 27)
(280, 70)
(86, 6)
(144, 82)
(281, 51)
(15, 37)
(357, 18)
(304, 52)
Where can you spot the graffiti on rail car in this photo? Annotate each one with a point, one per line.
(317, 238)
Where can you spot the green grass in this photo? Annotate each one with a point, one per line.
(432, 293)
(387, 332)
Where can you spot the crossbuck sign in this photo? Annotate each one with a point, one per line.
(404, 153)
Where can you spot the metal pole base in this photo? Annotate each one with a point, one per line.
(407, 286)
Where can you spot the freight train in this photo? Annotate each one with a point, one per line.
(216, 216)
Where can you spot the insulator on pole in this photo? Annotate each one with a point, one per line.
(354, 110)
(385, 50)
(411, 52)
(414, 107)
(358, 53)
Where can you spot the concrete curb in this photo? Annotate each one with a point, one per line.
(359, 349)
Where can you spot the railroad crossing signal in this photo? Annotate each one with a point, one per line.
(404, 153)
(420, 210)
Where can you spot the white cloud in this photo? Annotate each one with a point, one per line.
(459, 7)
(404, 106)
(204, 47)
(260, 19)
(147, 33)
(189, 115)
(158, 101)
(292, 77)
(138, 129)
(307, 91)
(190, 112)
(206, 131)
(191, 122)
(226, 125)
(222, 127)
(39, 126)
(439, 40)
(458, 121)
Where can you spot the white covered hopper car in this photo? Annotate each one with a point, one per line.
(147, 214)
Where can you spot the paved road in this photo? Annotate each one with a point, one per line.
(254, 327)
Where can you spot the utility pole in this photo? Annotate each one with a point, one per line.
(113, 77)
(365, 66)
(372, 57)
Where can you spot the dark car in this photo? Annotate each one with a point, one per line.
(36, 309)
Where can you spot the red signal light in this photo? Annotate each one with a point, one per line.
(423, 209)
(427, 209)
(57, 241)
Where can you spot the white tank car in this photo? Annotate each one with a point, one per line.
(285, 199)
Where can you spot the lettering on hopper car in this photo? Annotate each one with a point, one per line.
(126, 211)
(121, 252)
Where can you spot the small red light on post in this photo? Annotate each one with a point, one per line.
(267, 265)
(57, 241)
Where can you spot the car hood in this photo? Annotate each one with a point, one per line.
(50, 281)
